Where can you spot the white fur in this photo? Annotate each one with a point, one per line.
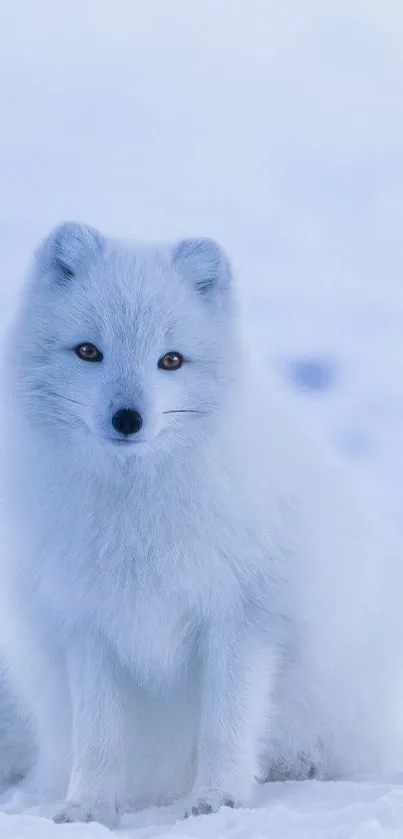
(174, 608)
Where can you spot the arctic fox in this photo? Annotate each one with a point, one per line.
(188, 600)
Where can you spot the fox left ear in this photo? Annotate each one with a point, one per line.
(205, 263)
(65, 250)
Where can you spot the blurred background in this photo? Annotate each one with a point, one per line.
(275, 126)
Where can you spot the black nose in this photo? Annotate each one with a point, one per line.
(127, 421)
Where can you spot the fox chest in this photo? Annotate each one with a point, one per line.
(152, 630)
(148, 592)
(146, 601)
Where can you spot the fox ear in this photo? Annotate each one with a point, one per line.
(205, 263)
(66, 249)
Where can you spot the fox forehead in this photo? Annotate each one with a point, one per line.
(130, 290)
(137, 275)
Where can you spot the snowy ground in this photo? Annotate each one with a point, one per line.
(276, 127)
(371, 810)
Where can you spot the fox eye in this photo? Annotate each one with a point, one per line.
(88, 352)
(171, 361)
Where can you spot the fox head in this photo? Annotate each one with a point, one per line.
(128, 347)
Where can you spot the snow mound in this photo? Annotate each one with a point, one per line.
(291, 810)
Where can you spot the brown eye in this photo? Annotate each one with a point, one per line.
(88, 352)
(171, 361)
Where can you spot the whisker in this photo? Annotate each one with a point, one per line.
(61, 396)
(185, 411)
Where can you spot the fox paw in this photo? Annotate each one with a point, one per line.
(209, 801)
(75, 811)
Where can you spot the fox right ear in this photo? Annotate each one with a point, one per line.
(205, 264)
(66, 248)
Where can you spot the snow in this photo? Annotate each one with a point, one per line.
(308, 810)
(277, 128)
